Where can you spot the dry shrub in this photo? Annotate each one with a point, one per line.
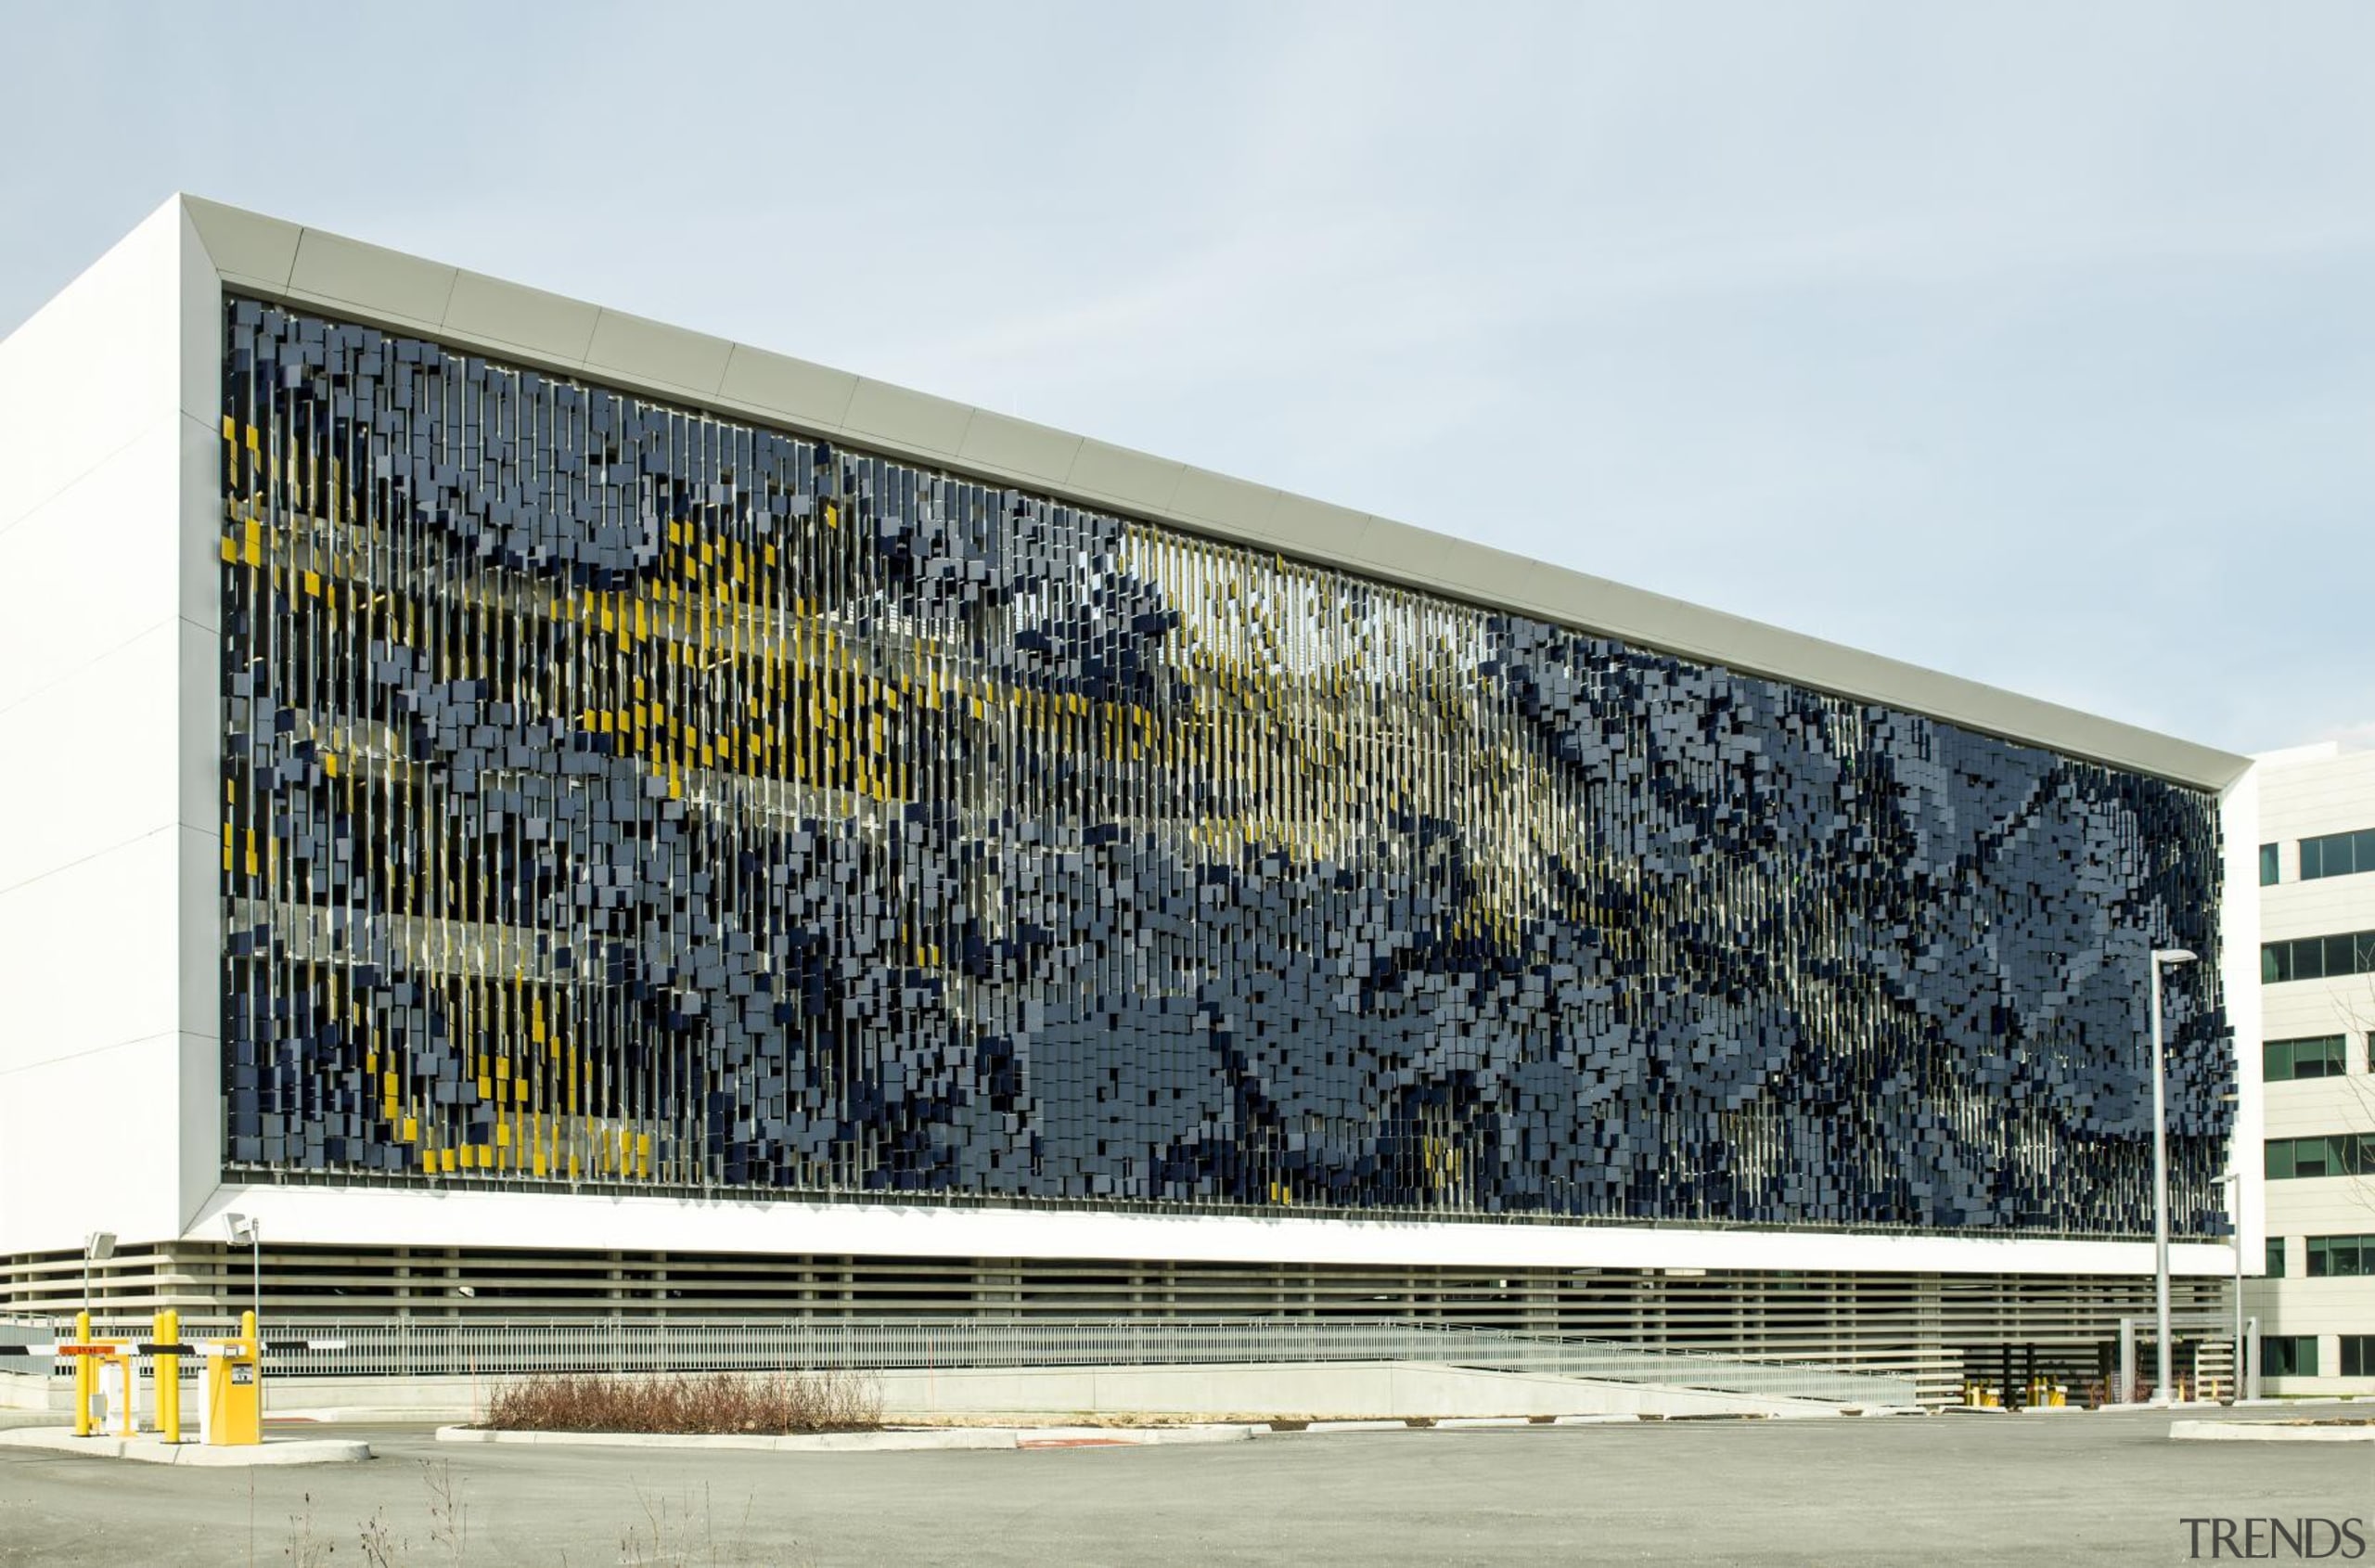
(708, 1402)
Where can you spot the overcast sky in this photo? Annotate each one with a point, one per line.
(2035, 343)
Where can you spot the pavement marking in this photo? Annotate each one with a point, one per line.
(1082, 1443)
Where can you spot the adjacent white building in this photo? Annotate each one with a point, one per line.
(2317, 871)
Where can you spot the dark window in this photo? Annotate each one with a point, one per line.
(2275, 1258)
(2342, 1154)
(2289, 1356)
(2335, 855)
(2318, 957)
(2283, 1061)
(2358, 1356)
(2340, 1257)
(2267, 865)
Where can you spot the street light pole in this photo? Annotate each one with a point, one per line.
(247, 1231)
(2160, 1391)
(2233, 1182)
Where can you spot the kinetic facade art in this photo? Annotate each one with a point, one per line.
(619, 794)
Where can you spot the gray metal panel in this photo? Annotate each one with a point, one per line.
(372, 284)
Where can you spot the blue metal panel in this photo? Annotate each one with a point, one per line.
(616, 794)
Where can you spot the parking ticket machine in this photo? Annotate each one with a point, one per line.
(235, 1389)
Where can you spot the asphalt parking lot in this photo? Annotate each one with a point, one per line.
(2043, 1489)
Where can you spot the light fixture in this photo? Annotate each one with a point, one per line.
(98, 1247)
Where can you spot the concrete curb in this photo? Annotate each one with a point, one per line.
(155, 1451)
(909, 1440)
(924, 1439)
(2266, 1431)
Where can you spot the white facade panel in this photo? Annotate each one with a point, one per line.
(92, 372)
(89, 1067)
(374, 1216)
(86, 1144)
(98, 769)
(196, 513)
(90, 672)
(2238, 939)
(96, 599)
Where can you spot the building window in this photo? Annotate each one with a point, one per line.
(2267, 866)
(2358, 1356)
(2318, 957)
(2335, 855)
(2340, 1257)
(2275, 1258)
(2341, 1154)
(2289, 1356)
(2283, 1061)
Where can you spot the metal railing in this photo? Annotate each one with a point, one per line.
(430, 1347)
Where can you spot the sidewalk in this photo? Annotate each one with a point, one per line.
(156, 1451)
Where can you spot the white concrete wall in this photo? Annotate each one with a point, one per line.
(100, 662)
(2306, 794)
(2238, 952)
(450, 1217)
(1345, 1389)
(1352, 1389)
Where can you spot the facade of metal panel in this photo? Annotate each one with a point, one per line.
(619, 794)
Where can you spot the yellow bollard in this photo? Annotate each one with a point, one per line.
(83, 1375)
(169, 1378)
(252, 1330)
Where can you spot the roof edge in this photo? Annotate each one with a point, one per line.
(255, 253)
